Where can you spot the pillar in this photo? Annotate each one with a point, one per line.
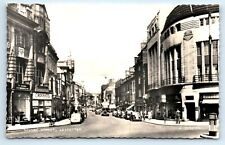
(170, 67)
(184, 109)
(175, 66)
(197, 108)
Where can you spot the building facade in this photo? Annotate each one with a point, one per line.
(189, 61)
(65, 88)
(125, 90)
(141, 78)
(155, 102)
(31, 66)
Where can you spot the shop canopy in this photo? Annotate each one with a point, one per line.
(210, 101)
(112, 106)
(130, 107)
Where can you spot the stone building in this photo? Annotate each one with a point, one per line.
(189, 61)
(31, 68)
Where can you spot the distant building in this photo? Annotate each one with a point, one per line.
(125, 90)
(65, 88)
(141, 78)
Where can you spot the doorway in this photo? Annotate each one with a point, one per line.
(190, 111)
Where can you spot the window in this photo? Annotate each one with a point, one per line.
(201, 22)
(199, 70)
(139, 80)
(172, 30)
(139, 93)
(199, 48)
(215, 47)
(20, 69)
(206, 47)
(39, 76)
(215, 69)
(207, 21)
(178, 27)
(213, 20)
(206, 69)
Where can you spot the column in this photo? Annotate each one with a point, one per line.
(203, 58)
(175, 66)
(197, 108)
(184, 109)
(170, 67)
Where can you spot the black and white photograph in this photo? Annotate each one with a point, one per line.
(112, 70)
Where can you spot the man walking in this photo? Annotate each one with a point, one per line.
(178, 116)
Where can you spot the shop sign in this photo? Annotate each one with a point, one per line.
(21, 52)
(42, 96)
(22, 87)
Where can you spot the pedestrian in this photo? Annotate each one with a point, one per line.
(178, 116)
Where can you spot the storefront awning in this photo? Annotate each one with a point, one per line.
(130, 107)
(112, 106)
(210, 101)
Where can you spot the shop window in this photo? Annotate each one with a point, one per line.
(189, 97)
(41, 103)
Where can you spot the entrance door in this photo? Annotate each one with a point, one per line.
(190, 111)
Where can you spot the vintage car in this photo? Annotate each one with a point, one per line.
(76, 117)
(104, 113)
(136, 116)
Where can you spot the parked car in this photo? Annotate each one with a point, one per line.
(114, 113)
(76, 117)
(123, 114)
(128, 114)
(105, 113)
(119, 113)
(98, 111)
(135, 116)
(83, 114)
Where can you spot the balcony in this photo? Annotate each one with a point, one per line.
(172, 81)
(206, 78)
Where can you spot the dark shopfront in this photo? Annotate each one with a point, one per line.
(18, 104)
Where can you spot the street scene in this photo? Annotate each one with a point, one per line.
(102, 126)
(65, 81)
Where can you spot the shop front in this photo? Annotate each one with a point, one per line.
(209, 103)
(41, 107)
(21, 106)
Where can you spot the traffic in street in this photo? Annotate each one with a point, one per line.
(99, 125)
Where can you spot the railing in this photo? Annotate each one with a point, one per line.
(206, 78)
(174, 80)
(168, 81)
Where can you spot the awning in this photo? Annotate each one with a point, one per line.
(112, 106)
(130, 107)
(210, 101)
(105, 104)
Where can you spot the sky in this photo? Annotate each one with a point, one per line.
(103, 39)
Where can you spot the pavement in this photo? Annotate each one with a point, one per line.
(38, 125)
(173, 122)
